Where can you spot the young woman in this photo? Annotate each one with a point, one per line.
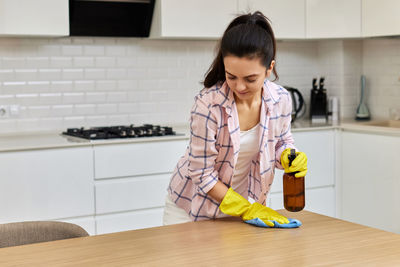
(239, 133)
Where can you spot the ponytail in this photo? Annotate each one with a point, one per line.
(248, 35)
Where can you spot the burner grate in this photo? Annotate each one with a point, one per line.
(114, 132)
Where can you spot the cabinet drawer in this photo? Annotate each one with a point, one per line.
(131, 194)
(124, 160)
(318, 200)
(46, 184)
(129, 221)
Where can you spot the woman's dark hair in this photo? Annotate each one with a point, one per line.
(248, 35)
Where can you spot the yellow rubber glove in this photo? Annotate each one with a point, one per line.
(235, 205)
(299, 164)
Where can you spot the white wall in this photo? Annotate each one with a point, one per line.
(74, 82)
(381, 65)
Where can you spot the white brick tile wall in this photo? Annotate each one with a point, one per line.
(73, 98)
(106, 108)
(84, 85)
(87, 109)
(37, 86)
(85, 81)
(105, 62)
(50, 98)
(61, 86)
(26, 74)
(7, 75)
(70, 122)
(37, 62)
(39, 111)
(72, 50)
(83, 62)
(62, 110)
(93, 50)
(94, 74)
(95, 97)
(105, 85)
(61, 62)
(72, 74)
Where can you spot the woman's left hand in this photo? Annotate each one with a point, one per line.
(299, 164)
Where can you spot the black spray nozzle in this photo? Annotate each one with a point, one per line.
(292, 156)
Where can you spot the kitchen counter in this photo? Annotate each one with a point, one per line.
(48, 140)
(321, 240)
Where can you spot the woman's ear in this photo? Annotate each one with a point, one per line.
(271, 67)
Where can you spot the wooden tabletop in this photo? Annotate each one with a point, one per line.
(321, 240)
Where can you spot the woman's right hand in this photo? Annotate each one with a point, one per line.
(235, 205)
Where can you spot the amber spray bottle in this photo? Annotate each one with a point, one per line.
(293, 188)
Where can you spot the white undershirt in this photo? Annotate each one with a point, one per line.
(249, 145)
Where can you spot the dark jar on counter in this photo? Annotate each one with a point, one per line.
(293, 189)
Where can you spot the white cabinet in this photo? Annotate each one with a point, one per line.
(371, 180)
(133, 193)
(287, 16)
(192, 18)
(124, 160)
(35, 18)
(46, 184)
(320, 148)
(333, 19)
(131, 183)
(380, 18)
(318, 200)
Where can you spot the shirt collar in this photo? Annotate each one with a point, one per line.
(226, 99)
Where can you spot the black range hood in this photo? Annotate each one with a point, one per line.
(113, 18)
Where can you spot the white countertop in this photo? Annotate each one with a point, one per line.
(49, 140)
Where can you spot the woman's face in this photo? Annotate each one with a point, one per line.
(245, 76)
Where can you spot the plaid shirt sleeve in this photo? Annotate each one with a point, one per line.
(285, 138)
(202, 149)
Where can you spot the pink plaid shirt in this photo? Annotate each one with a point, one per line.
(214, 147)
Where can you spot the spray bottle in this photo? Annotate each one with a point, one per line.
(293, 188)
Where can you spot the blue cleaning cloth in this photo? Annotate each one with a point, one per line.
(293, 223)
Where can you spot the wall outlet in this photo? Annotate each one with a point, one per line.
(7, 111)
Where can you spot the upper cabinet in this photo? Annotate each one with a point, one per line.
(333, 19)
(34, 18)
(380, 18)
(192, 18)
(287, 16)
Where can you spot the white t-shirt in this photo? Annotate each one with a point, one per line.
(248, 150)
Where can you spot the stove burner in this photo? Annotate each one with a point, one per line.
(113, 132)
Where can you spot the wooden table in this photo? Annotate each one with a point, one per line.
(320, 240)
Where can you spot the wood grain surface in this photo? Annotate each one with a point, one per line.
(320, 241)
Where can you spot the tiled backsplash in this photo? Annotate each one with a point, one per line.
(72, 82)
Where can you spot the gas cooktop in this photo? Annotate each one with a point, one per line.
(114, 132)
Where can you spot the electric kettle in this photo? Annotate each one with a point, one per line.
(298, 105)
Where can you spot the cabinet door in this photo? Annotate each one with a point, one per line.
(46, 184)
(124, 160)
(39, 17)
(192, 18)
(319, 200)
(287, 16)
(380, 17)
(333, 19)
(370, 180)
(319, 147)
(134, 193)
